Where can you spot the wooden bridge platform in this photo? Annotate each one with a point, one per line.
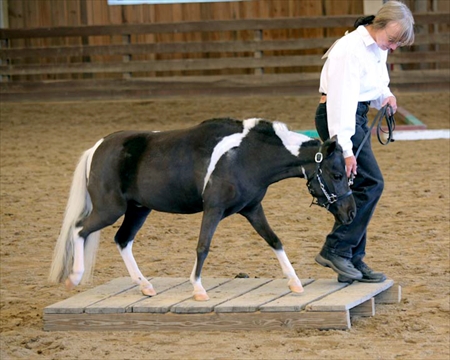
(235, 304)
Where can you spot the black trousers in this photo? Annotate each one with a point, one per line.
(350, 240)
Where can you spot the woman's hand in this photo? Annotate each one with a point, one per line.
(392, 101)
(350, 165)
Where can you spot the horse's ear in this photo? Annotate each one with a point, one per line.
(331, 145)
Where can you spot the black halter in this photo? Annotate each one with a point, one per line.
(330, 196)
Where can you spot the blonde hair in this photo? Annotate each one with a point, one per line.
(396, 12)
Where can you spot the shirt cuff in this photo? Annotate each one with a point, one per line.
(348, 153)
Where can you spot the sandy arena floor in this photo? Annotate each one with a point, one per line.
(408, 237)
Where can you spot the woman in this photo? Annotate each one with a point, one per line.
(353, 78)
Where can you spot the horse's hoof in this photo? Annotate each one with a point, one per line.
(296, 287)
(201, 297)
(148, 291)
(69, 284)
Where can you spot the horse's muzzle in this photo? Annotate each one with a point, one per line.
(344, 211)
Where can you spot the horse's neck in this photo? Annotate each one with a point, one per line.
(274, 168)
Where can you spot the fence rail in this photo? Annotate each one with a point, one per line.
(200, 57)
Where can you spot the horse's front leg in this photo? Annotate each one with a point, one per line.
(133, 221)
(211, 219)
(294, 282)
(136, 276)
(258, 220)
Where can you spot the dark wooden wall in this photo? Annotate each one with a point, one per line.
(49, 13)
(51, 44)
(38, 13)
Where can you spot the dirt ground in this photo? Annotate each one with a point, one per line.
(408, 237)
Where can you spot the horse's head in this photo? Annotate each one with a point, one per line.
(329, 184)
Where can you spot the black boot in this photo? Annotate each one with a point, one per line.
(368, 275)
(341, 265)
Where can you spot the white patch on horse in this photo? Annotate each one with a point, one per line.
(304, 172)
(291, 140)
(89, 160)
(225, 145)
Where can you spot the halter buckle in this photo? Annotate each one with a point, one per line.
(319, 157)
(332, 198)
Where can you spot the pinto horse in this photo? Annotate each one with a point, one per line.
(220, 167)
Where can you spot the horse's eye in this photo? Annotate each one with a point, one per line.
(338, 177)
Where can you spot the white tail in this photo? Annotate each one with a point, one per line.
(78, 207)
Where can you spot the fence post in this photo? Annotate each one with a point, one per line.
(4, 44)
(4, 23)
(258, 54)
(126, 39)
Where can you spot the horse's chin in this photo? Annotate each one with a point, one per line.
(343, 220)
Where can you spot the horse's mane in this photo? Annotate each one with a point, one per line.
(262, 126)
(311, 143)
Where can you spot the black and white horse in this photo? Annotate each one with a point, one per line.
(220, 167)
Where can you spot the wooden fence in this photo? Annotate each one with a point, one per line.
(202, 57)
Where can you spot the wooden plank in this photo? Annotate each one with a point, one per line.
(196, 47)
(167, 48)
(76, 304)
(418, 57)
(203, 26)
(253, 300)
(339, 320)
(121, 94)
(171, 91)
(297, 302)
(218, 295)
(297, 79)
(223, 85)
(166, 65)
(200, 64)
(181, 27)
(123, 301)
(351, 296)
(419, 76)
(162, 303)
(393, 295)
(365, 309)
(177, 81)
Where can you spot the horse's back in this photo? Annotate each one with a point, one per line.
(161, 170)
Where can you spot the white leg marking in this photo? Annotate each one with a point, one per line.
(199, 292)
(136, 275)
(78, 260)
(294, 282)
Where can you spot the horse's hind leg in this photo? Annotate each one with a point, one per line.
(134, 219)
(211, 219)
(86, 232)
(257, 219)
(75, 276)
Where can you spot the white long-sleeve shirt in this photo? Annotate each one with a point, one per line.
(354, 71)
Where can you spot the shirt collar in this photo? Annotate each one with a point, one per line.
(367, 38)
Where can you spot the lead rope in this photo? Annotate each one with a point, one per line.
(387, 113)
